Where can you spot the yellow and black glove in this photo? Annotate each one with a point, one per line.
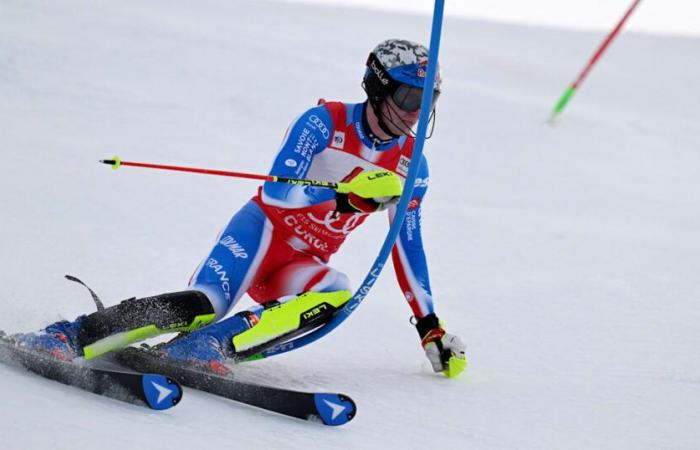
(368, 191)
(444, 350)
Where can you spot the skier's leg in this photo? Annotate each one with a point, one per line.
(119, 325)
(240, 249)
(309, 293)
(224, 272)
(326, 290)
(303, 273)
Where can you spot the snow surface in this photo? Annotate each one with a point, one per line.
(565, 255)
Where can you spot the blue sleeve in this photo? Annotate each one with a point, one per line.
(306, 137)
(408, 254)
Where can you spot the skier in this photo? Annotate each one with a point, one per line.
(277, 247)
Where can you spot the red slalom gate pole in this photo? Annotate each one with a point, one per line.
(571, 89)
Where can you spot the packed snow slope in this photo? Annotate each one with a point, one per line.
(566, 256)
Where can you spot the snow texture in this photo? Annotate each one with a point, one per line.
(565, 256)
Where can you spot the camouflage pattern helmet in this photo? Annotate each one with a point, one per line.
(404, 61)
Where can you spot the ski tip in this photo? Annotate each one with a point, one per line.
(160, 391)
(335, 409)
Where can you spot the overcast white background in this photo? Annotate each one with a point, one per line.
(667, 16)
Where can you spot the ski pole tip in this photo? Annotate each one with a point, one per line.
(115, 162)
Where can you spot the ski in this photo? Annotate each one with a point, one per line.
(326, 408)
(143, 389)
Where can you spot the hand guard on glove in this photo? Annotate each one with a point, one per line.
(445, 351)
(368, 192)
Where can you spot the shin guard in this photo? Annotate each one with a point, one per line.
(135, 319)
(285, 320)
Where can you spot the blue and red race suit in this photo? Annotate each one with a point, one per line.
(279, 244)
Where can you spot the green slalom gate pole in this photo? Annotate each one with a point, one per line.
(571, 89)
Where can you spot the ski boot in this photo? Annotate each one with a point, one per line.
(209, 347)
(59, 340)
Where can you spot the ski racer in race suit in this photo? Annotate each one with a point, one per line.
(277, 247)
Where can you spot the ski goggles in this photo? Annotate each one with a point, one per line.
(408, 98)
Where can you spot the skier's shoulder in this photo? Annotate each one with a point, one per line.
(316, 120)
(340, 112)
(328, 116)
(333, 105)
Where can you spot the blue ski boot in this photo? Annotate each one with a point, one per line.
(209, 347)
(59, 340)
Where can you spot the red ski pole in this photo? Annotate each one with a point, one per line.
(116, 163)
(569, 92)
(362, 186)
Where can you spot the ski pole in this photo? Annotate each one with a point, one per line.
(341, 187)
(569, 92)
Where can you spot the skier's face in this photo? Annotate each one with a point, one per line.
(398, 121)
